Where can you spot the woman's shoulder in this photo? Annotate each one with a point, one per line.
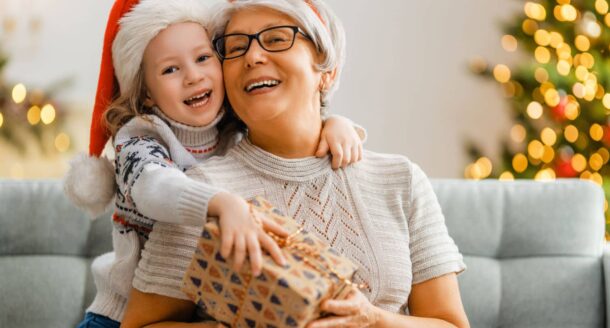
(381, 163)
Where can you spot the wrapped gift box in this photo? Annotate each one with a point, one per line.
(281, 296)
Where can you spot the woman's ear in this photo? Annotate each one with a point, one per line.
(327, 80)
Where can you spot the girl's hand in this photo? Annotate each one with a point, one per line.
(242, 234)
(339, 135)
(353, 311)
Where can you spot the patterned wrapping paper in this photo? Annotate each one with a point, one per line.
(279, 297)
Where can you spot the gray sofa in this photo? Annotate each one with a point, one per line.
(535, 253)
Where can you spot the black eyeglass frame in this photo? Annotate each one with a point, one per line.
(255, 36)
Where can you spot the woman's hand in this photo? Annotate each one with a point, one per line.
(339, 136)
(242, 234)
(353, 311)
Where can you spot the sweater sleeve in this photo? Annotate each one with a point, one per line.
(433, 251)
(157, 187)
(165, 258)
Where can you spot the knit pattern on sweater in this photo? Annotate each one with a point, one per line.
(381, 213)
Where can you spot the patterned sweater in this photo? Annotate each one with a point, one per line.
(381, 212)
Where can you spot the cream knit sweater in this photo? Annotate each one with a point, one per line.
(381, 212)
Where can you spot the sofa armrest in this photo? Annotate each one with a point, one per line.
(606, 264)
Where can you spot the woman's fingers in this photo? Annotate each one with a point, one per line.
(254, 254)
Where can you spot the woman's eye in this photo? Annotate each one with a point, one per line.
(170, 70)
(202, 58)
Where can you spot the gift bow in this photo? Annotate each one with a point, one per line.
(308, 253)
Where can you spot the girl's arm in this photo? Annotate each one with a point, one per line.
(157, 187)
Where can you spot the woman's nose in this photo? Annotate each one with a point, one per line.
(255, 54)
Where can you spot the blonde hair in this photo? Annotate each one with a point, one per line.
(325, 30)
(126, 105)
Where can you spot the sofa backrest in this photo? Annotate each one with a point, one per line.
(46, 247)
(533, 251)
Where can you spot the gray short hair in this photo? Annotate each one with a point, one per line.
(326, 31)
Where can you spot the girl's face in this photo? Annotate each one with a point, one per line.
(183, 77)
(295, 80)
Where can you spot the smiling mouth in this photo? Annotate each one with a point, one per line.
(261, 85)
(198, 100)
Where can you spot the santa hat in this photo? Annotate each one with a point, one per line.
(132, 24)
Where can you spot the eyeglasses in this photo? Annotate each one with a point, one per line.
(273, 39)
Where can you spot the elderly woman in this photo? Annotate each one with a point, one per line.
(282, 60)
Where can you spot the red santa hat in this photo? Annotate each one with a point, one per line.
(132, 24)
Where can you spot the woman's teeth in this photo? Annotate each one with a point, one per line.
(261, 84)
(198, 100)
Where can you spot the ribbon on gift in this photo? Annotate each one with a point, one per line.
(310, 256)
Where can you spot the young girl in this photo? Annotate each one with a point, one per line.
(167, 116)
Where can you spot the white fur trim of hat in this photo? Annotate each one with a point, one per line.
(139, 26)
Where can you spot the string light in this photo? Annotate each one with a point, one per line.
(582, 43)
(548, 136)
(596, 162)
(62, 142)
(542, 37)
(506, 176)
(520, 163)
(556, 39)
(47, 114)
(571, 133)
(509, 43)
(579, 162)
(596, 132)
(535, 11)
(517, 133)
(502, 73)
(534, 110)
(541, 74)
(33, 115)
(542, 55)
(19, 93)
(1, 120)
(535, 149)
(485, 166)
(601, 6)
(545, 175)
(529, 26)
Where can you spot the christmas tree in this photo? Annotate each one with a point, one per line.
(559, 94)
(31, 117)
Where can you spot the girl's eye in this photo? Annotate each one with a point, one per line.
(202, 58)
(170, 70)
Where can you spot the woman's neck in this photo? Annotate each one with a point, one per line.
(288, 136)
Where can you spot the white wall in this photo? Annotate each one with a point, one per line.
(406, 78)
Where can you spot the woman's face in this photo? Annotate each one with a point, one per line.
(295, 80)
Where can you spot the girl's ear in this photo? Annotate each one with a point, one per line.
(148, 102)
